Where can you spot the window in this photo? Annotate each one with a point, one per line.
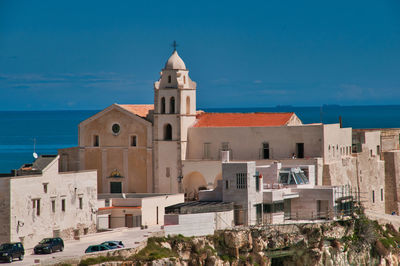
(370, 153)
(172, 105)
(187, 105)
(184, 79)
(96, 140)
(265, 150)
(168, 132)
(45, 187)
(80, 203)
(63, 205)
(225, 146)
(169, 79)
(241, 180)
(381, 194)
(378, 150)
(36, 205)
(273, 208)
(257, 176)
(373, 196)
(206, 151)
(226, 184)
(300, 150)
(167, 172)
(115, 187)
(133, 141)
(116, 128)
(53, 205)
(162, 105)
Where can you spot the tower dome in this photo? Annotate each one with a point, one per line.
(175, 62)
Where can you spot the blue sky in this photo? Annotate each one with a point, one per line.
(90, 54)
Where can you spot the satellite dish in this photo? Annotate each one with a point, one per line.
(35, 155)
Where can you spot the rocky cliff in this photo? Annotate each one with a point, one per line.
(353, 242)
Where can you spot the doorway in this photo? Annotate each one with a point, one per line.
(300, 150)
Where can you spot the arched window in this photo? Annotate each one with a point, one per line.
(163, 105)
(172, 105)
(169, 79)
(187, 105)
(168, 132)
(184, 79)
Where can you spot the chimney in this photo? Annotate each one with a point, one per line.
(225, 156)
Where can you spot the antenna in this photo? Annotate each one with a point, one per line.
(35, 155)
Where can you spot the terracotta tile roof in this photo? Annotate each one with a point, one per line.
(138, 109)
(242, 119)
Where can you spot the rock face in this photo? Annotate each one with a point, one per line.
(353, 242)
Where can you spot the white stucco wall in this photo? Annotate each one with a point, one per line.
(29, 227)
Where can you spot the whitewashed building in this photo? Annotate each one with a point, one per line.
(37, 201)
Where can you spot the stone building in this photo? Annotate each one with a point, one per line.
(171, 147)
(37, 201)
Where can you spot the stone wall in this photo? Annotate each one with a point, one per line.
(392, 186)
(4, 209)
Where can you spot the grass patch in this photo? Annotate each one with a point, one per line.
(97, 260)
(154, 251)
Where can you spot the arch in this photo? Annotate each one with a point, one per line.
(217, 178)
(172, 105)
(162, 105)
(187, 105)
(191, 184)
(168, 132)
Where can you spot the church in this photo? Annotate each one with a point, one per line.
(171, 147)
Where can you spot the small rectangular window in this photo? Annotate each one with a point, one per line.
(63, 205)
(36, 205)
(378, 150)
(53, 206)
(96, 140)
(45, 187)
(225, 146)
(373, 196)
(167, 172)
(133, 141)
(206, 151)
(381, 194)
(80, 203)
(241, 180)
(226, 184)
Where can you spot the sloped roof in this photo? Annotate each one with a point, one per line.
(141, 110)
(242, 119)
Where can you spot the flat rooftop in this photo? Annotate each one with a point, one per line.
(130, 195)
(199, 207)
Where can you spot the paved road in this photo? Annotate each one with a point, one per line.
(76, 248)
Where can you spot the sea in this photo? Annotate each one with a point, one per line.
(44, 132)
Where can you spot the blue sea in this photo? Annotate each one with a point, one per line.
(54, 130)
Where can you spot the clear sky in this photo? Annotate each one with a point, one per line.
(89, 54)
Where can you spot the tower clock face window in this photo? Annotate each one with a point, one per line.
(115, 129)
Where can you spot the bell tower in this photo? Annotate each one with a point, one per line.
(174, 113)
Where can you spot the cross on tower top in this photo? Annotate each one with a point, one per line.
(174, 44)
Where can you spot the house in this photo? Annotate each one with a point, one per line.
(38, 201)
(134, 209)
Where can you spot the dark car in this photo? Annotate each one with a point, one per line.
(95, 248)
(10, 251)
(113, 244)
(49, 245)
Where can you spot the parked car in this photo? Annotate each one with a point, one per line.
(49, 245)
(113, 244)
(95, 248)
(10, 251)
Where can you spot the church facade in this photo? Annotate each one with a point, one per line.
(171, 147)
